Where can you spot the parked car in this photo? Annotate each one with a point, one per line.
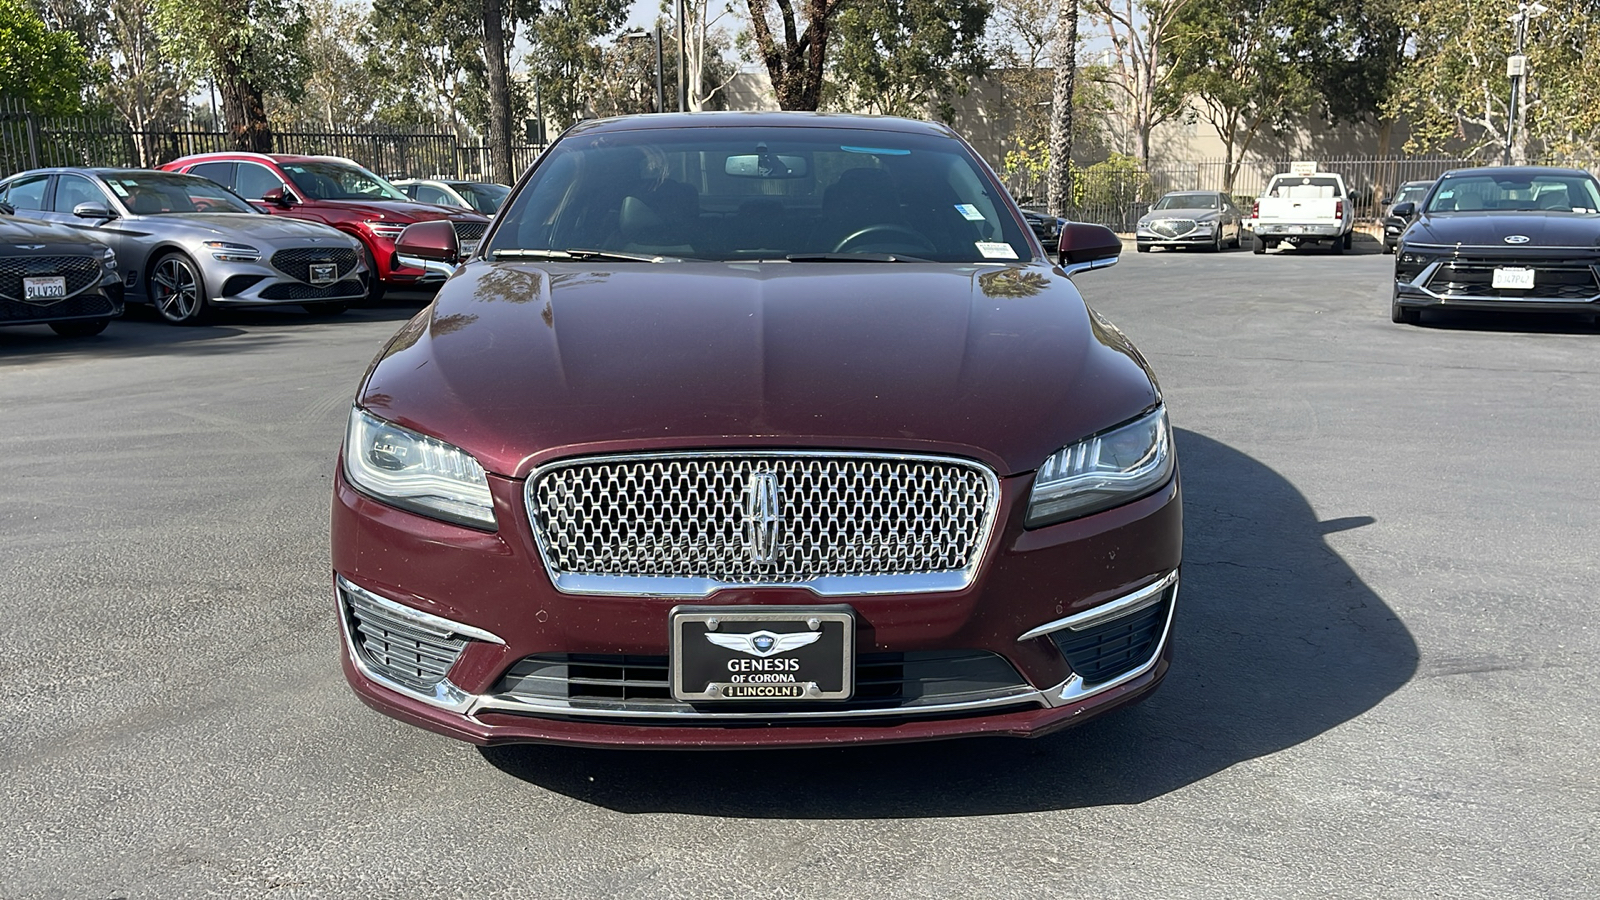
(1411, 192)
(1046, 228)
(756, 429)
(481, 196)
(336, 192)
(55, 276)
(1513, 239)
(1190, 219)
(1303, 209)
(188, 245)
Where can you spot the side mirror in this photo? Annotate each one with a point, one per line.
(92, 210)
(1403, 210)
(1084, 246)
(430, 246)
(278, 197)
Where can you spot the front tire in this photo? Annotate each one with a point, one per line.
(1216, 244)
(1142, 248)
(178, 291)
(1402, 315)
(80, 328)
(375, 287)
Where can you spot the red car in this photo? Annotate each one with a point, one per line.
(335, 192)
(767, 429)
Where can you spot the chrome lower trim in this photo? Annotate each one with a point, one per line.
(1074, 689)
(1101, 263)
(433, 268)
(422, 618)
(1105, 612)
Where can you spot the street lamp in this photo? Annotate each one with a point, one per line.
(1517, 70)
(637, 33)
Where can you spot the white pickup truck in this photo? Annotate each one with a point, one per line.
(1301, 208)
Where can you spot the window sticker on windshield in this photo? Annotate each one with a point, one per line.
(118, 189)
(969, 212)
(996, 250)
(881, 151)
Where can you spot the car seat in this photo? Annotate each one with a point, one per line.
(662, 218)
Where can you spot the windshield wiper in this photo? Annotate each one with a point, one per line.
(853, 257)
(576, 253)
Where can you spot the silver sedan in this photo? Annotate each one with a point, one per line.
(1190, 219)
(187, 245)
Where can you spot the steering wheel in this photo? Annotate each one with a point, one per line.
(918, 239)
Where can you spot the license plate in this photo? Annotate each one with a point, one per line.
(1296, 229)
(468, 248)
(324, 273)
(50, 287)
(763, 653)
(1513, 278)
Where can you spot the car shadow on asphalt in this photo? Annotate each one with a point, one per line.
(1277, 641)
(1508, 322)
(140, 331)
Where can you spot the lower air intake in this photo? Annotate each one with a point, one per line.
(409, 652)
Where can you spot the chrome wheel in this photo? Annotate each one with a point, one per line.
(177, 291)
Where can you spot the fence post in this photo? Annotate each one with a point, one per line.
(30, 129)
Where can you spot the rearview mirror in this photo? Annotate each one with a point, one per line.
(1403, 210)
(766, 165)
(92, 210)
(278, 197)
(1084, 246)
(430, 246)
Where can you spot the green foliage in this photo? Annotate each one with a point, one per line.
(898, 56)
(1117, 182)
(567, 61)
(262, 40)
(46, 69)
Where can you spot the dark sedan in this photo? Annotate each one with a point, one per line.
(1523, 239)
(1411, 192)
(756, 429)
(54, 276)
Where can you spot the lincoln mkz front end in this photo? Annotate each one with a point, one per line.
(755, 430)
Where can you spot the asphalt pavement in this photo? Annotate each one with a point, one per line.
(1384, 684)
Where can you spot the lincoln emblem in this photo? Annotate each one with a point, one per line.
(762, 517)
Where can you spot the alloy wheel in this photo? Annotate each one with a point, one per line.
(175, 287)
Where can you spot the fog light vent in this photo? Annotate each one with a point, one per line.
(1103, 652)
(413, 653)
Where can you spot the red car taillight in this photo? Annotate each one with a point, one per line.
(1338, 209)
(1255, 210)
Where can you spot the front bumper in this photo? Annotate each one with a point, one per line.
(494, 586)
(234, 283)
(1431, 288)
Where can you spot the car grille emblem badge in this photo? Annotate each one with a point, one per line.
(1516, 239)
(764, 643)
(763, 519)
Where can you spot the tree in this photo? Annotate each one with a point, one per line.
(626, 80)
(339, 90)
(567, 60)
(798, 64)
(43, 68)
(145, 85)
(1237, 57)
(897, 57)
(422, 63)
(1140, 31)
(249, 47)
(1064, 53)
(705, 66)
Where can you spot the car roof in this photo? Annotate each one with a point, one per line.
(1515, 171)
(762, 119)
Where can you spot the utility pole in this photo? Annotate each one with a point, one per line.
(683, 85)
(661, 97)
(1517, 71)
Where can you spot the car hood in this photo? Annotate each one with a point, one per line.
(404, 211)
(1199, 215)
(1479, 229)
(244, 227)
(520, 363)
(16, 234)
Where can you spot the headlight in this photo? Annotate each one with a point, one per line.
(390, 230)
(1204, 226)
(109, 259)
(1103, 471)
(229, 252)
(416, 472)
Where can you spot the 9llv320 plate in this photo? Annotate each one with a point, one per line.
(763, 653)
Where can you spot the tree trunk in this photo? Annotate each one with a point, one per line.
(796, 66)
(243, 109)
(494, 62)
(1064, 54)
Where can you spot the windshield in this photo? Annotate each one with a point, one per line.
(1553, 191)
(331, 180)
(1187, 201)
(1413, 193)
(774, 193)
(485, 198)
(161, 193)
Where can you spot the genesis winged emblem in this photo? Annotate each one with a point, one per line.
(764, 643)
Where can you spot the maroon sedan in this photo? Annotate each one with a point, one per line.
(756, 430)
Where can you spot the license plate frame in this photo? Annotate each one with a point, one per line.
(1512, 278)
(322, 273)
(44, 287)
(752, 665)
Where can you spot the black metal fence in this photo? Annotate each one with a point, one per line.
(30, 141)
(1117, 195)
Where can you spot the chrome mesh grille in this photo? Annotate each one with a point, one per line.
(410, 652)
(470, 231)
(754, 518)
(1172, 227)
(296, 261)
